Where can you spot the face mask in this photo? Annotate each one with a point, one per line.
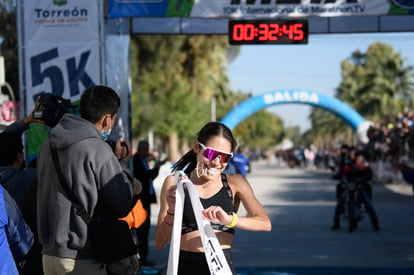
(104, 135)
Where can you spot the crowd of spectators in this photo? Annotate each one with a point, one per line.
(389, 150)
(392, 140)
(391, 147)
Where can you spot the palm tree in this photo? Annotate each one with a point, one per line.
(381, 84)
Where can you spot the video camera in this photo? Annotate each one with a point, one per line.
(51, 109)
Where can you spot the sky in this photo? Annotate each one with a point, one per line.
(315, 66)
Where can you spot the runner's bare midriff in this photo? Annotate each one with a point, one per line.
(192, 241)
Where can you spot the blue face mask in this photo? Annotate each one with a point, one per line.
(104, 135)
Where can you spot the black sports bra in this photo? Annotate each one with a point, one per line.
(223, 198)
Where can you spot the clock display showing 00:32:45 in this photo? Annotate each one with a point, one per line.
(268, 32)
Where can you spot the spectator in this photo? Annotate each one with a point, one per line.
(16, 238)
(310, 154)
(21, 183)
(146, 176)
(241, 162)
(97, 174)
(407, 170)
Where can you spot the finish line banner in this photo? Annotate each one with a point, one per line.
(256, 8)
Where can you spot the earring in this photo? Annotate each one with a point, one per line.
(204, 171)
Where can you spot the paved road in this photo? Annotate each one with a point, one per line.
(300, 204)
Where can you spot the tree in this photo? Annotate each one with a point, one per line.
(175, 77)
(261, 130)
(376, 84)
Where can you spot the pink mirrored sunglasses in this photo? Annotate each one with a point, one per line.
(212, 154)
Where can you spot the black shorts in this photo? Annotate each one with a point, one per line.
(191, 263)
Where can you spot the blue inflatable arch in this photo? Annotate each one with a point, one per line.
(254, 104)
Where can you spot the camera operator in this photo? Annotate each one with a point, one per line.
(99, 177)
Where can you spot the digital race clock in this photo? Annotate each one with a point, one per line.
(268, 32)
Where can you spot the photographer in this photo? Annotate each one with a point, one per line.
(92, 170)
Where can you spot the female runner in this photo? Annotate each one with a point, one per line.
(220, 195)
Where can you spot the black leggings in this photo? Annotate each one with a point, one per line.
(191, 263)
